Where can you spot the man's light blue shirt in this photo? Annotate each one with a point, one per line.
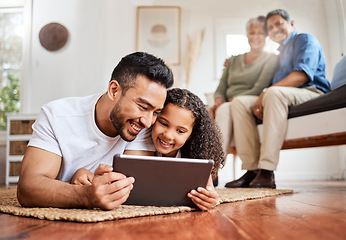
(303, 53)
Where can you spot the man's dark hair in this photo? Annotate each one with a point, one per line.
(141, 63)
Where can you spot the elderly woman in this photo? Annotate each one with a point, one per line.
(245, 74)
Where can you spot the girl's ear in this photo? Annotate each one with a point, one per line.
(113, 90)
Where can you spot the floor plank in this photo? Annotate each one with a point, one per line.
(317, 210)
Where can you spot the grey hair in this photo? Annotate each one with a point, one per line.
(283, 13)
(260, 20)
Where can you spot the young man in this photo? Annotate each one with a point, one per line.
(300, 77)
(84, 132)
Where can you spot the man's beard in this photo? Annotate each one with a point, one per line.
(118, 122)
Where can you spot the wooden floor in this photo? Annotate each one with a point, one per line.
(317, 210)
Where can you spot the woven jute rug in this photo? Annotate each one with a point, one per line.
(9, 204)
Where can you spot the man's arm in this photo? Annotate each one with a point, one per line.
(294, 79)
(38, 186)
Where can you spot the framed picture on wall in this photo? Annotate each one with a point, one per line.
(158, 32)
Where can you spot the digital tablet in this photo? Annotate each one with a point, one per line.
(163, 181)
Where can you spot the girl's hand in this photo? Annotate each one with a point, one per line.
(205, 198)
(82, 177)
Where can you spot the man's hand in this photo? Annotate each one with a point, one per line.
(109, 189)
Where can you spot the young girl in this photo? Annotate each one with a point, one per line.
(185, 129)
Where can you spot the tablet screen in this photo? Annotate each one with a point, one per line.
(163, 181)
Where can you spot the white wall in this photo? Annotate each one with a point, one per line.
(309, 17)
(103, 31)
(99, 35)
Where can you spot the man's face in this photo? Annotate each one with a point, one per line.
(278, 28)
(139, 108)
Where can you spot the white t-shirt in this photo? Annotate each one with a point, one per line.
(67, 128)
(178, 155)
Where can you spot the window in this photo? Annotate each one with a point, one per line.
(238, 44)
(11, 52)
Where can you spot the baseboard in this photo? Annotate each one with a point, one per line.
(289, 176)
(226, 174)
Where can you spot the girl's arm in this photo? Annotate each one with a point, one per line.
(82, 177)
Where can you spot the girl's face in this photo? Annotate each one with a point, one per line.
(171, 129)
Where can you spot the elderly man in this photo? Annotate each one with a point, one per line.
(299, 77)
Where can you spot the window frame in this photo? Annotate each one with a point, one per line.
(26, 53)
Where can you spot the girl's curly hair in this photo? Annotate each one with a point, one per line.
(205, 139)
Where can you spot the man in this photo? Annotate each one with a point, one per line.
(74, 133)
(300, 77)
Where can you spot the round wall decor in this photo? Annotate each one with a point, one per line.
(53, 36)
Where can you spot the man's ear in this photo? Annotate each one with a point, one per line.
(292, 23)
(113, 90)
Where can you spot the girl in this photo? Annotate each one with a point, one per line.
(185, 129)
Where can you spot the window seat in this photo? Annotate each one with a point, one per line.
(316, 123)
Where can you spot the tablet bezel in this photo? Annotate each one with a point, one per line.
(162, 181)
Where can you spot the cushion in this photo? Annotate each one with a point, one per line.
(339, 75)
